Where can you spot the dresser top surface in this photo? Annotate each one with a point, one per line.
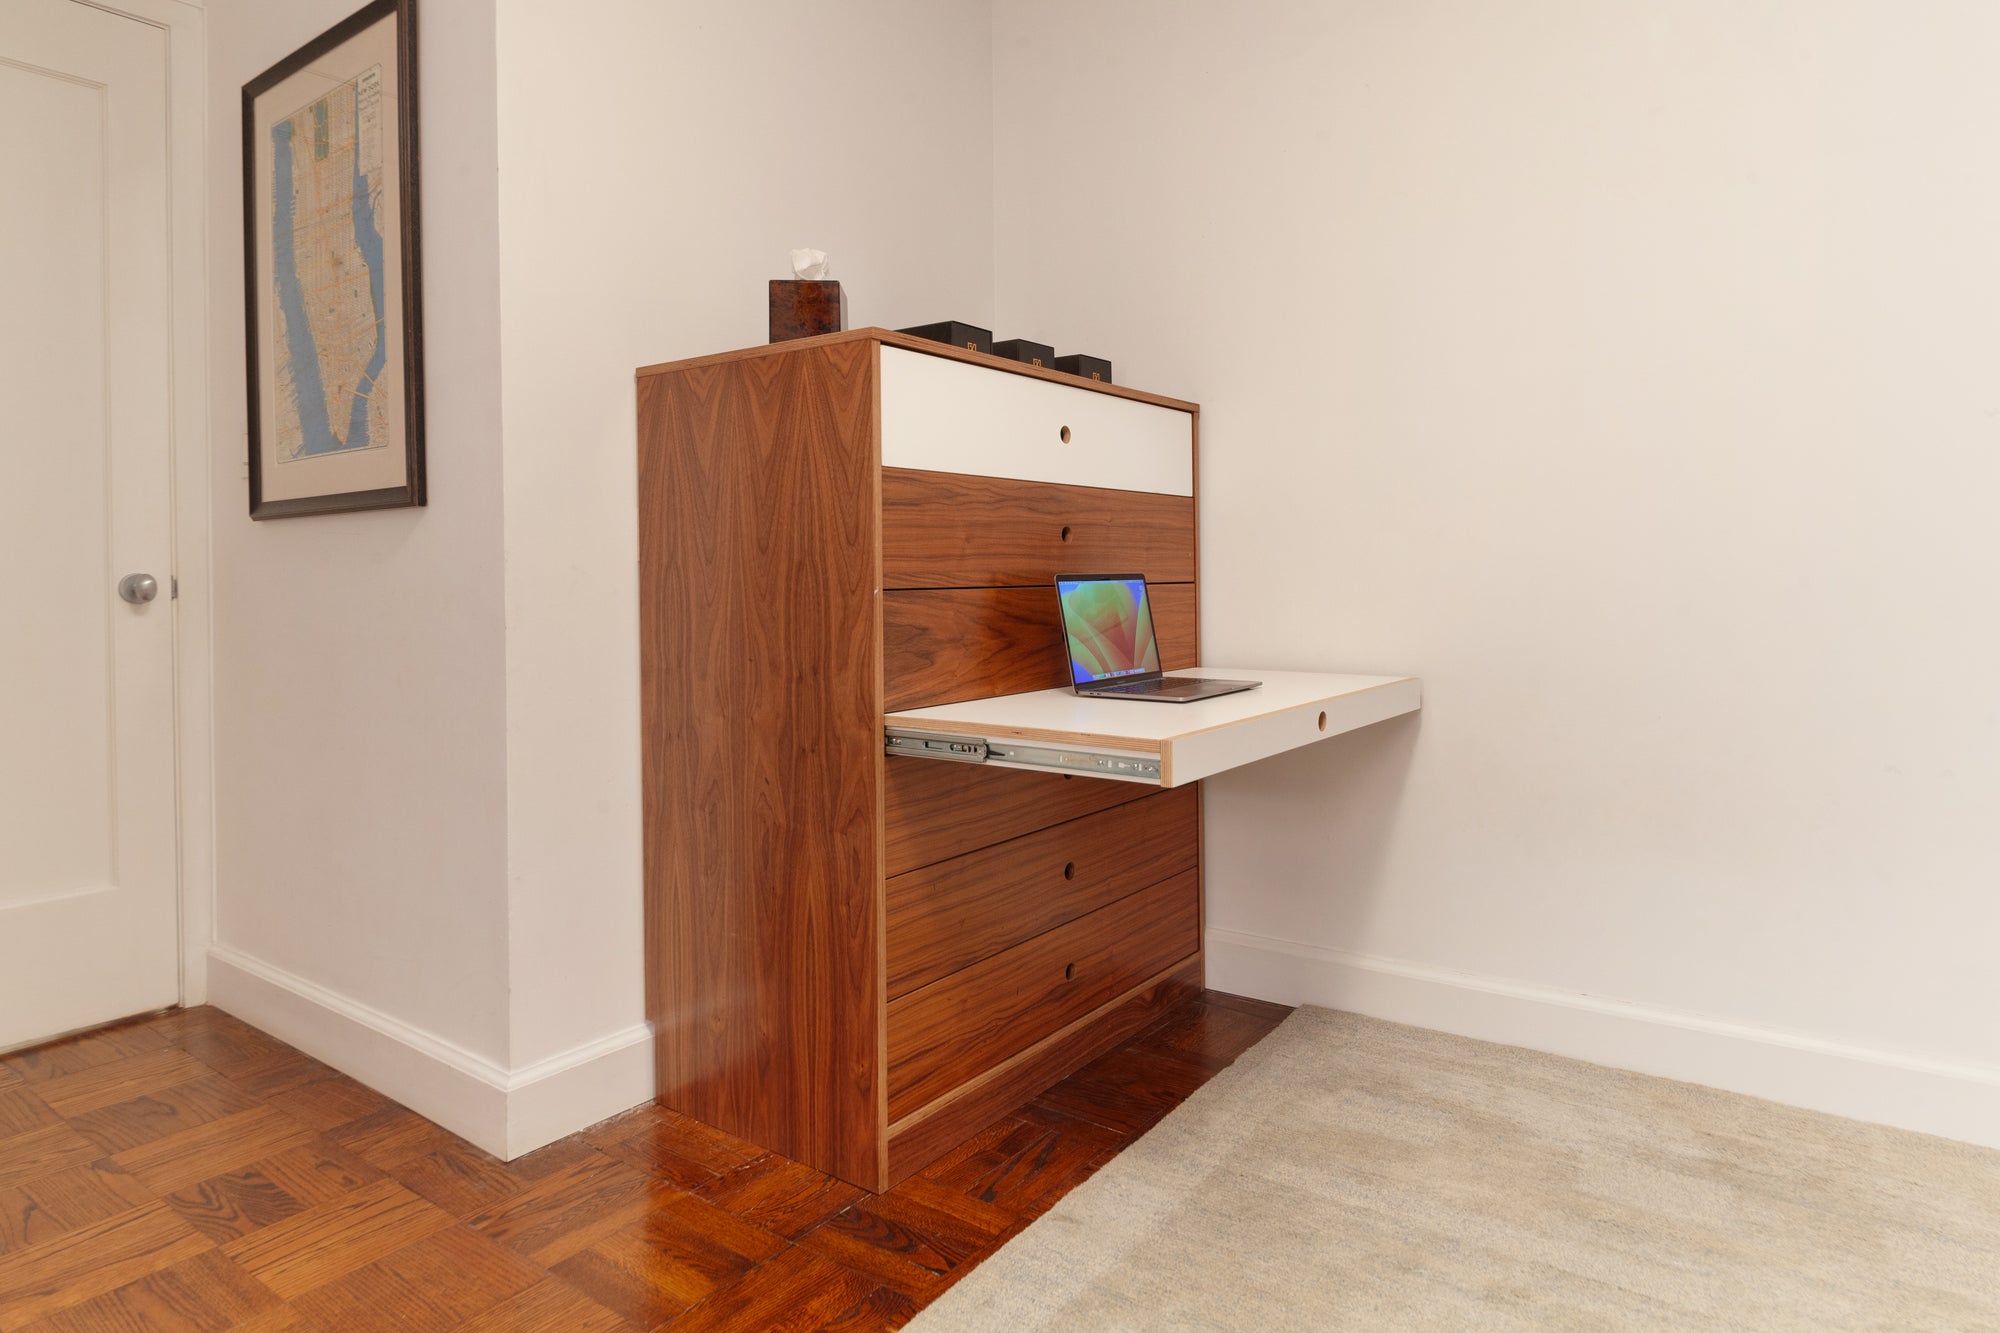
(891, 338)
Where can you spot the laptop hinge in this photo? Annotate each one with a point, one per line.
(1121, 765)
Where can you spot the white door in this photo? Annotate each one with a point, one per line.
(89, 905)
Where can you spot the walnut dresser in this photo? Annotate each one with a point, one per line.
(859, 961)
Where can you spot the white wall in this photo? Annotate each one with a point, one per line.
(658, 160)
(359, 658)
(1627, 371)
(1623, 370)
(427, 739)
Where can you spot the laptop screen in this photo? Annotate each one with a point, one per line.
(1109, 627)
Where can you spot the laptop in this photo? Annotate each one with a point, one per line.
(1113, 654)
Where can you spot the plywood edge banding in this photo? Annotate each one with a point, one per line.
(880, 1091)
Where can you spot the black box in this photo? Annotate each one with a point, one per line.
(969, 336)
(1089, 367)
(1028, 353)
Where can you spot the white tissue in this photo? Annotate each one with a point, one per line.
(809, 265)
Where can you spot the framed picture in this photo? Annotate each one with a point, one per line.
(332, 300)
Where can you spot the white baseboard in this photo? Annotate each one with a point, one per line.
(1957, 1101)
(506, 1112)
(583, 1085)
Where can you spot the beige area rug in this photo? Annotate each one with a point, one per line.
(1350, 1173)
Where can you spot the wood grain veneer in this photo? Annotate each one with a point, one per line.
(935, 811)
(759, 561)
(946, 916)
(959, 1027)
(774, 637)
(946, 645)
(921, 1136)
(943, 530)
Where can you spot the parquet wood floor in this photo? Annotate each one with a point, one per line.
(186, 1173)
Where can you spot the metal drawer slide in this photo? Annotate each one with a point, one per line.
(1122, 765)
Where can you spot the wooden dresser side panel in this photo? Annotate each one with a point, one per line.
(759, 555)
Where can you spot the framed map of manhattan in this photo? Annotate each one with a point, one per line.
(331, 285)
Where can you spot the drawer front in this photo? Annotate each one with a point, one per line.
(935, 811)
(948, 530)
(941, 415)
(955, 1029)
(942, 645)
(941, 1125)
(957, 912)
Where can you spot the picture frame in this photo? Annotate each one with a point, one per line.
(332, 286)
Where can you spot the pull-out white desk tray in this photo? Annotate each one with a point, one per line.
(1161, 744)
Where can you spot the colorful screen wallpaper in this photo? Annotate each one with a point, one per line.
(1110, 628)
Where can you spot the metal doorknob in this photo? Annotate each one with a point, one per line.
(138, 589)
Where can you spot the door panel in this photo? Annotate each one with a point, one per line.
(55, 813)
(88, 889)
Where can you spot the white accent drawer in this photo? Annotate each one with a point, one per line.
(942, 415)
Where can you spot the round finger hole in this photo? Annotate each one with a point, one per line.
(1069, 973)
(1069, 870)
(1322, 721)
(1065, 533)
(1065, 434)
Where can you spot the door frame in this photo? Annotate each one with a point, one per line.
(185, 26)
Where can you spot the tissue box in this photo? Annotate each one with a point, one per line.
(969, 336)
(1089, 367)
(801, 309)
(1029, 353)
